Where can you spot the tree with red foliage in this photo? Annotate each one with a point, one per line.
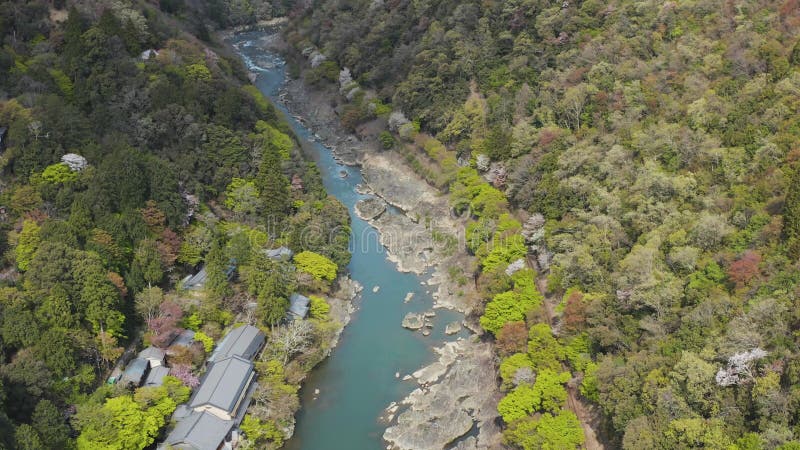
(168, 245)
(574, 318)
(165, 323)
(512, 338)
(744, 269)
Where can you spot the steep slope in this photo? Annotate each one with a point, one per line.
(650, 149)
(134, 150)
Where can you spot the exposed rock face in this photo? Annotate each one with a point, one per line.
(439, 414)
(370, 208)
(413, 321)
(401, 188)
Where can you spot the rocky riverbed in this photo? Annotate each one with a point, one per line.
(451, 402)
(455, 404)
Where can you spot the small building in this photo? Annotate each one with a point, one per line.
(298, 306)
(135, 372)
(224, 388)
(200, 431)
(279, 254)
(244, 342)
(196, 281)
(153, 355)
(156, 376)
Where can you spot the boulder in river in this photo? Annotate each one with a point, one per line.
(413, 321)
(370, 208)
(452, 328)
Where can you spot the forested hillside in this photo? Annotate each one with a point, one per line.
(648, 153)
(133, 152)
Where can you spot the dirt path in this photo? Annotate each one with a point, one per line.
(587, 415)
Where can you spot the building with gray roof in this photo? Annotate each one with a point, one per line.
(135, 372)
(298, 306)
(224, 387)
(279, 254)
(156, 376)
(245, 341)
(196, 281)
(200, 431)
(154, 355)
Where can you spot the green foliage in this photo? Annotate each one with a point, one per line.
(27, 244)
(242, 197)
(318, 308)
(543, 348)
(511, 365)
(198, 72)
(316, 265)
(791, 214)
(206, 340)
(518, 403)
(262, 432)
(58, 173)
(386, 139)
(558, 431)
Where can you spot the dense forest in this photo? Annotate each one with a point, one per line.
(135, 151)
(640, 158)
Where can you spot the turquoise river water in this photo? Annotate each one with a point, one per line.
(358, 380)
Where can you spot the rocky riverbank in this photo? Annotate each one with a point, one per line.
(455, 405)
(452, 408)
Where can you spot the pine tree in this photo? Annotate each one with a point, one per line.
(272, 184)
(217, 285)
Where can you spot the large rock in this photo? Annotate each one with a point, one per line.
(452, 328)
(441, 414)
(413, 321)
(370, 208)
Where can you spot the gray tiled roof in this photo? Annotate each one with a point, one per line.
(152, 353)
(298, 305)
(244, 341)
(135, 371)
(197, 281)
(280, 253)
(156, 376)
(223, 384)
(199, 431)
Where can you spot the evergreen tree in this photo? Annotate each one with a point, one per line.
(791, 215)
(216, 266)
(272, 184)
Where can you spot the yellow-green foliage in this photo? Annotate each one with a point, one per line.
(318, 308)
(58, 173)
(511, 365)
(261, 102)
(262, 431)
(208, 342)
(62, 81)
(27, 244)
(318, 266)
(198, 72)
(276, 138)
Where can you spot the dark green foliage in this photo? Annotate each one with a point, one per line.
(791, 214)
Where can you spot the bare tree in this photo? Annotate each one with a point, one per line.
(291, 339)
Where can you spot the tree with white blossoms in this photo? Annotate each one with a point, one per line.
(740, 368)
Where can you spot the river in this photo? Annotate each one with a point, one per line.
(358, 380)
